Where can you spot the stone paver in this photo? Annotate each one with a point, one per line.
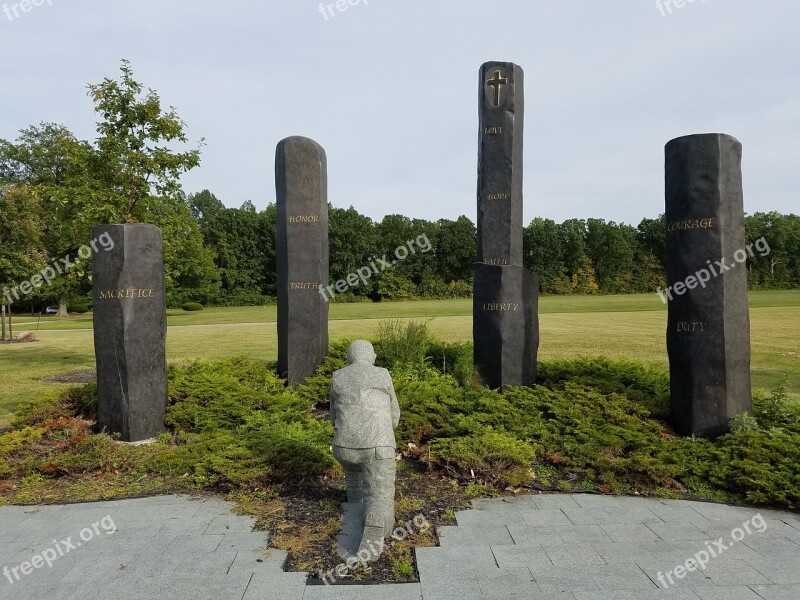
(561, 547)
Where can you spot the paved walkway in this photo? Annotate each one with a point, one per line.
(557, 547)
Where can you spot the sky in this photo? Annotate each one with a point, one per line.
(390, 89)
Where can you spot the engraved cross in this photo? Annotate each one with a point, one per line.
(497, 82)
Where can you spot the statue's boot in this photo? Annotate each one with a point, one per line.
(373, 538)
(388, 521)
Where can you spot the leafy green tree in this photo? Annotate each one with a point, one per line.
(21, 243)
(353, 242)
(779, 267)
(393, 286)
(650, 254)
(652, 236)
(456, 250)
(610, 247)
(268, 227)
(140, 173)
(396, 232)
(232, 234)
(137, 163)
(131, 174)
(573, 242)
(544, 252)
(48, 162)
(204, 206)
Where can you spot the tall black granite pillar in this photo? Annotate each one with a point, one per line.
(130, 330)
(505, 300)
(302, 257)
(502, 107)
(708, 331)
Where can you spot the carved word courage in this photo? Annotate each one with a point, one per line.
(691, 224)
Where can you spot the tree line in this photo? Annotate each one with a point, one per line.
(54, 187)
(591, 256)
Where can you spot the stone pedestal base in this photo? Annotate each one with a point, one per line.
(505, 325)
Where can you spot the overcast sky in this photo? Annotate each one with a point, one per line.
(389, 88)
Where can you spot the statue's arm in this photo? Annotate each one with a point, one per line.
(394, 403)
(332, 402)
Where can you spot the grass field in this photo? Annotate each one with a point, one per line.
(614, 326)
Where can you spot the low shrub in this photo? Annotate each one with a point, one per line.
(234, 426)
(79, 308)
(490, 456)
(192, 306)
(402, 342)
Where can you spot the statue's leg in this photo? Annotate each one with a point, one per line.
(379, 486)
(386, 472)
(375, 508)
(352, 462)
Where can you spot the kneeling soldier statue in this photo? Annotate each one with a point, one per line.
(365, 413)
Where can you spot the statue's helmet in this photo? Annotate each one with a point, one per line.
(362, 352)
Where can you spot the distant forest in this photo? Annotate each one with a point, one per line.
(591, 256)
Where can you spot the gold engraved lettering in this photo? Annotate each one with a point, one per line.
(691, 224)
(501, 306)
(304, 219)
(691, 327)
(498, 196)
(303, 286)
(492, 130)
(496, 261)
(127, 293)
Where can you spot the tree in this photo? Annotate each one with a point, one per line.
(456, 249)
(21, 253)
(610, 248)
(131, 174)
(268, 227)
(48, 162)
(353, 243)
(652, 235)
(140, 173)
(779, 266)
(136, 162)
(204, 206)
(650, 254)
(544, 252)
(573, 242)
(232, 235)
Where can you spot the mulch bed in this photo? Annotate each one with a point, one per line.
(308, 520)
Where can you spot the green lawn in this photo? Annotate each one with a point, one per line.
(613, 326)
